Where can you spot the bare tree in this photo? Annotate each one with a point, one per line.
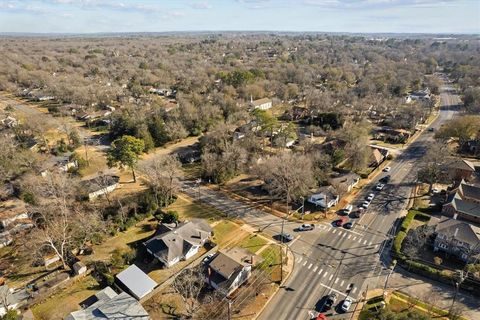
(189, 284)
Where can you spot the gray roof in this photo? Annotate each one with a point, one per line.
(469, 191)
(170, 243)
(460, 230)
(99, 183)
(137, 281)
(112, 306)
(10, 297)
(226, 265)
(346, 179)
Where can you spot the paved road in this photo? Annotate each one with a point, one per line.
(330, 259)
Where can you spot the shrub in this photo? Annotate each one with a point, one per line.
(437, 260)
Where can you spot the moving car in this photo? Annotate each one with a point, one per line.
(348, 209)
(285, 237)
(340, 221)
(330, 301)
(379, 186)
(370, 197)
(306, 227)
(347, 303)
(385, 179)
(348, 225)
(387, 169)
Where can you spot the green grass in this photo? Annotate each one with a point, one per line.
(190, 209)
(271, 262)
(224, 230)
(252, 243)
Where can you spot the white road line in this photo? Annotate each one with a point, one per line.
(354, 238)
(305, 262)
(300, 259)
(320, 272)
(334, 231)
(341, 284)
(330, 288)
(331, 276)
(325, 274)
(336, 280)
(365, 241)
(370, 243)
(315, 269)
(311, 264)
(354, 289)
(349, 236)
(359, 240)
(343, 235)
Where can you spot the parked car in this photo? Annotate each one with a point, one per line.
(358, 213)
(341, 221)
(306, 227)
(387, 169)
(379, 186)
(347, 303)
(370, 197)
(285, 237)
(330, 301)
(348, 225)
(385, 179)
(347, 209)
(208, 258)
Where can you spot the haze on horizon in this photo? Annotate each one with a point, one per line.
(359, 16)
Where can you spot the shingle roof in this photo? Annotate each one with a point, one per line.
(137, 281)
(469, 191)
(463, 165)
(460, 230)
(170, 243)
(226, 265)
(260, 101)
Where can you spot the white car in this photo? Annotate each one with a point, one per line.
(370, 197)
(380, 186)
(306, 227)
(347, 303)
(387, 169)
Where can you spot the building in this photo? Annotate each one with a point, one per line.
(110, 305)
(228, 270)
(135, 281)
(378, 155)
(10, 299)
(461, 169)
(345, 182)
(262, 104)
(463, 202)
(173, 244)
(100, 186)
(12, 211)
(457, 238)
(326, 197)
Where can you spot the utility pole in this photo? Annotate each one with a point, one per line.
(460, 280)
(86, 152)
(282, 237)
(392, 267)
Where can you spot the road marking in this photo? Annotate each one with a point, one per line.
(354, 238)
(365, 241)
(315, 269)
(343, 235)
(320, 272)
(330, 288)
(341, 284)
(370, 243)
(325, 274)
(336, 280)
(311, 264)
(349, 236)
(334, 230)
(300, 259)
(331, 276)
(354, 289)
(340, 233)
(305, 262)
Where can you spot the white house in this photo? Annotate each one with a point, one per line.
(327, 197)
(228, 270)
(262, 104)
(173, 244)
(100, 186)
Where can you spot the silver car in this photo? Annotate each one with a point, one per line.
(347, 303)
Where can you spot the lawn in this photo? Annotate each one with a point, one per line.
(252, 243)
(61, 304)
(189, 209)
(271, 260)
(226, 233)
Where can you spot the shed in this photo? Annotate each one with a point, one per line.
(79, 268)
(137, 282)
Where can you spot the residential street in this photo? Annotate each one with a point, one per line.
(331, 259)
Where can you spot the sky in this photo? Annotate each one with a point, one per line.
(362, 16)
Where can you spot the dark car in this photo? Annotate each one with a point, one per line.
(285, 237)
(348, 225)
(330, 301)
(385, 179)
(340, 222)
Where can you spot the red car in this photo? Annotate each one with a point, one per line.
(341, 221)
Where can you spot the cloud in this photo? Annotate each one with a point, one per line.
(201, 5)
(376, 4)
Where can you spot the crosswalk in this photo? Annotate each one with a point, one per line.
(349, 235)
(326, 276)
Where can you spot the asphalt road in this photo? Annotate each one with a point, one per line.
(331, 259)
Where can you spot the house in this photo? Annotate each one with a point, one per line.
(378, 155)
(172, 244)
(10, 299)
(461, 169)
(262, 104)
(463, 202)
(135, 281)
(11, 211)
(345, 182)
(100, 186)
(420, 95)
(228, 270)
(82, 116)
(455, 237)
(79, 268)
(110, 305)
(326, 197)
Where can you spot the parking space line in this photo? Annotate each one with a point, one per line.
(320, 272)
(331, 276)
(325, 274)
(354, 238)
(344, 235)
(300, 259)
(365, 241)
(354, 289)
(334, 231)
(311, 264)
(305, 262)
(370, 243)
(315, 269)
(349, 236)
(341, 284)
(336, 280)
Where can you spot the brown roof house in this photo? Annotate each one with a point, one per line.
(464, 202)
(461, 169)
(345, 182)
(228, 270)
(378, 155)
(173, 244)
(458, 238)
